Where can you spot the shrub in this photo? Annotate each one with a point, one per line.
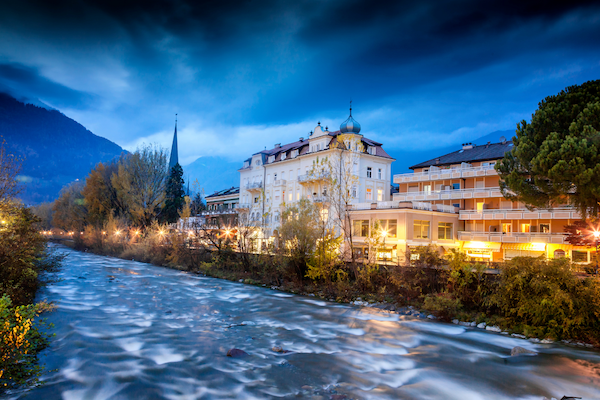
(21, 338)
(444, 305)
(544, 298)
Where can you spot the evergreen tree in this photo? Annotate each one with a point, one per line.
(197, 205)
(556, 157)
(174, 199)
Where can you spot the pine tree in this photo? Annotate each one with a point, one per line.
(174, 199)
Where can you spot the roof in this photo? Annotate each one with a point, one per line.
(302, 146)
(491, 151)
(225, 192)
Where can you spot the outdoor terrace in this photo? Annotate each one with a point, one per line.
(436, 173)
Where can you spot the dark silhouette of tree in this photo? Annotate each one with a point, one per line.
(198, 204)
(556, 157)
(175, 193)
(581, 233)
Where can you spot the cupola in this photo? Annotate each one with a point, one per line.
(350, 125)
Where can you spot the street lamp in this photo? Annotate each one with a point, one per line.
(597, 236)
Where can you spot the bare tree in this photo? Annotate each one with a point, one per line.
(10, 166)
(140, 182)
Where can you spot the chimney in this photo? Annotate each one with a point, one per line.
(467, 146)
(302, 139)
(277, 145)
(437, 160)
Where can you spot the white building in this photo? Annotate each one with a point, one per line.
(286, 174)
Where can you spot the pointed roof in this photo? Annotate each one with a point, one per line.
(174, 159)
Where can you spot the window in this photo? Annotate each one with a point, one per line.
(360, 227)
(379, 173)
(268, 179)
(297, 195)
(324, 215)
(256, 200)
(369, 172)
(421, 229)
(559, 253)
(369, 194)
(282, 175)
(379, 195)
(506, 228)
(545, 228)
(274, 177)
(480, 206)
(354, 192)
(389, 226)
(579, 256)
(290, 197)
(445, 230)
(525, 227)
(456, 186)
(427, 189)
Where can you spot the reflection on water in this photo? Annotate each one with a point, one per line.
(128, 330)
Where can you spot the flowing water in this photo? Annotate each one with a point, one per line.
(129, 330)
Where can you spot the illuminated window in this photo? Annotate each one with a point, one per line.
(360, 227)
(506, 228)
(545, 228)
(421, 229)
(427, 189)
(379, 195)
(297, 195)
(290, 197)
(369, 194)
(525, 227)
(389, 226)
(445, 230)
(480, 206)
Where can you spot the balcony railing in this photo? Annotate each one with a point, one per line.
(279, 182)
(451, 173)
(220, 211)
(513, 237)
(498, 214)
(320, 199)
(313, 177)
(254, 186)
(449, 194)
(243, 206)
(415, 205)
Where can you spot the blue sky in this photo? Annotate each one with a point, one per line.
(244, 75)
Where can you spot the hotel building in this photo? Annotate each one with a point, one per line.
(269, 179)
(454, 201)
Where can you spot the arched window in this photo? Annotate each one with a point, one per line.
(559, 253)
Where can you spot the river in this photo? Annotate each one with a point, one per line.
(129, 330)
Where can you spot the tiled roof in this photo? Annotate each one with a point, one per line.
(302, 146)
(493, 151)
(225, 192)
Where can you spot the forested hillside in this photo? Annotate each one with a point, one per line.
(56, 149)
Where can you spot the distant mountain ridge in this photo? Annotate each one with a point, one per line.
(56, 149)
(212, 174)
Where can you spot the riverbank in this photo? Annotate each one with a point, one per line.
(417, 291)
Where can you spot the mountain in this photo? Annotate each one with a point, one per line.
(56, 149)
(212, 174)
(408, 158)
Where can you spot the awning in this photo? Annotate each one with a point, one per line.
(490, 246)
(525, 246)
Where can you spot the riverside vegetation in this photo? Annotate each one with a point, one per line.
(24, 264)
(533, 296)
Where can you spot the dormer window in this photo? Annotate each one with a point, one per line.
(282, 156)
(271, 159)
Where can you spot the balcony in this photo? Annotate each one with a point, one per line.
(254, 186)
(414, 205)
(450, 194)
(320, 199)
(436, 174)
(513, 237)
(243, 206)
(313, 177)
(279, 182)
(221, 211)
(555, 213)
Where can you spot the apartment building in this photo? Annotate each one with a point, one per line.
(269, 179)
(454, 201)
(222, 207)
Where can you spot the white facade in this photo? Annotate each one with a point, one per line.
(286, 174)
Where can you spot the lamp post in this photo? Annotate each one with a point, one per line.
(596, 236)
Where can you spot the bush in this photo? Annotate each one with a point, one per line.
(545, 299)
(444, 305)
(21, 338)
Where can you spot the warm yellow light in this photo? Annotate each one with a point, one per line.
(117, 232)
(104, 233)
(384, 233)
(596, 234)
(136, 232)
(227, 232)
(479, 245)
(161, 232)
(538, 246)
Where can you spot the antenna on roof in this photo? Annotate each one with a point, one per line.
(502, 139)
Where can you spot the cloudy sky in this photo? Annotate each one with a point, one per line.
(243, 75)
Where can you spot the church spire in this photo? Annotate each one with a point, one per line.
(174, 156)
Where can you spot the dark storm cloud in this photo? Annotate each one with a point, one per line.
(26, 83)
(426, 66)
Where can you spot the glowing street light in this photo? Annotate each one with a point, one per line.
(597, 236)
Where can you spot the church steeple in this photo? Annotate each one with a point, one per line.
(174, 156)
